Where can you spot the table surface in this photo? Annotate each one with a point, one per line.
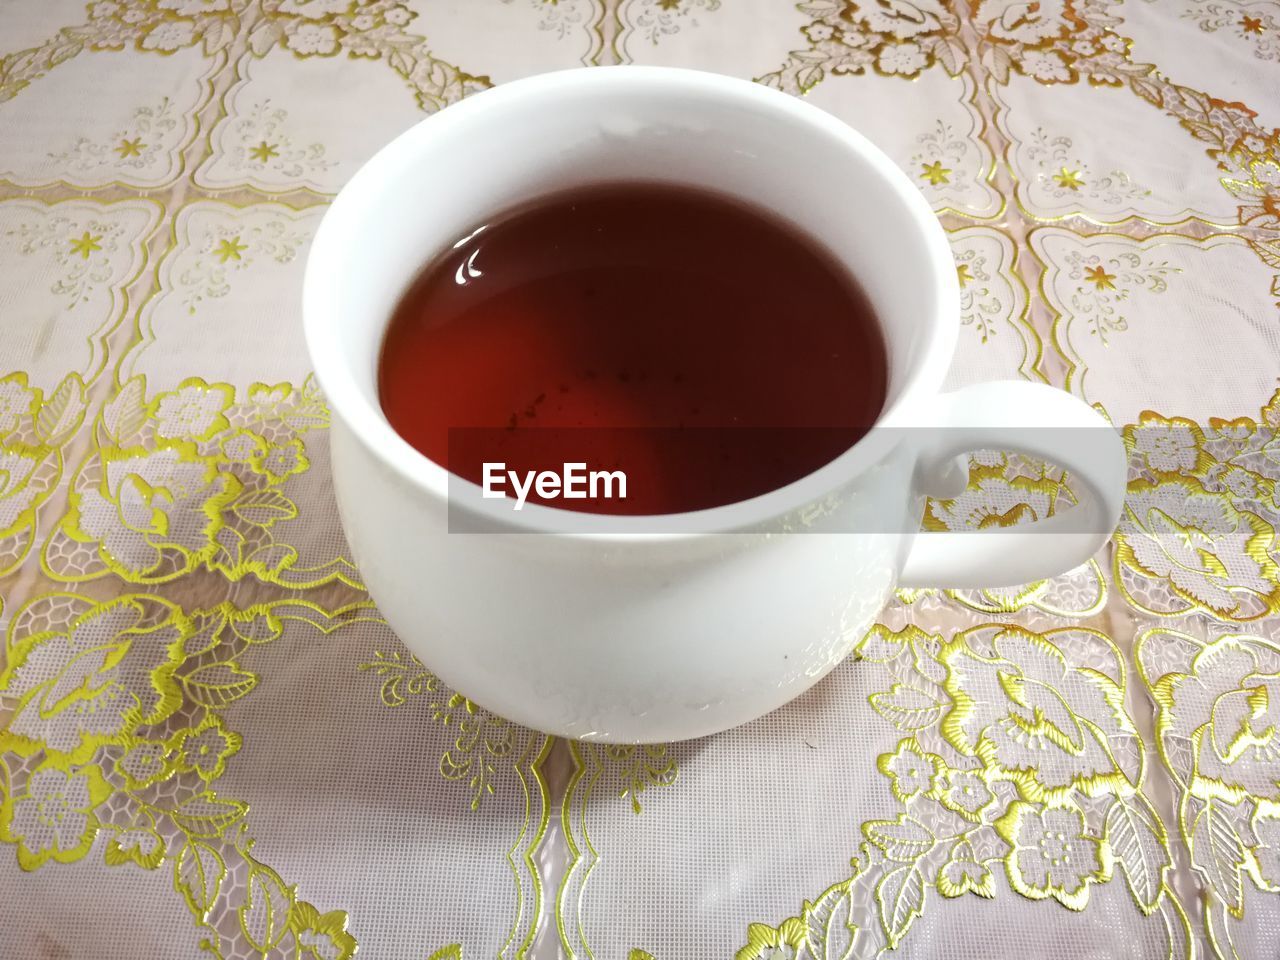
(211, 744)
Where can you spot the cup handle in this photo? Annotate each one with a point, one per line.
(1039, 421)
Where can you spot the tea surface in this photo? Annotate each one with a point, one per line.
(705, 348)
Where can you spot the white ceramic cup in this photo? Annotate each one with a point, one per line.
(621, 629)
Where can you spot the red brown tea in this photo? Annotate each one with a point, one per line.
(704, 348)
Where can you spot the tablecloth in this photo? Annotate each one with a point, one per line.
(210, 743)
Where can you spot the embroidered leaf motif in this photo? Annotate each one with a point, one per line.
(204, 815)
(217, 684)
(265, 36)
(904, 840)
(809, 77)
(907, 708)
(819, 8)
(638, 954)
(951, 54)
(881, 645)
(1147, 91)
(1271, 412)
(126, 414)
(1218, 853)
(1137, 840)
(264, 507)
(264, 918)
(198, 874)
(830, 930)
(61, 413)
(999, 62)
(217, 35)
(901, 898)
(452, 952)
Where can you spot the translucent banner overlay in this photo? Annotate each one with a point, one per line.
(656, 480)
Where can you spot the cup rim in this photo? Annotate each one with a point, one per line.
(368, 424)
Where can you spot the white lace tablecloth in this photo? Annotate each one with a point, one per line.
(211, 745)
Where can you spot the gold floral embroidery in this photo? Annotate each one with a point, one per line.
(1062, 173)
(117, 731)
(1054, 41)
(1006, 490)
(978, 307)
(1198, 530)
(1104, 284)
(1218, 713)
(1212, 556)
(33, 431)
(846, 37)
(1255, 26)
(134, 146)
(1018, 756)
(940, 153)
(374, 30)
(483, 741)
(80, 248)
(639, 768)
(189, 480)
(653, 20)
(227, 250)
(263, 143)
(560, 18)
(624, 771)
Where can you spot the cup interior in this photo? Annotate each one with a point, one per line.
(502, 148)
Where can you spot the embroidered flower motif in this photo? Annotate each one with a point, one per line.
(321, 935)
(1045, 67)
(966, 793)
(1213, 556)
(1166, 446)
(1016, 21)
(95, 683)
(1052, 856)
(151, 501)
(1031, 717)
(207, 748)
(139, 844)
(170, 35)
(819, 31)
(194, 411)
(1228, 708)
(769, 943)
(1267, 852)
(52, 817)
(283, 460)
(902, 58)
(145, 762)
(243, 446)
(963, 873)
(994, 501)
(910, 771)
(902, 19)
(313, 38)
(17, 492)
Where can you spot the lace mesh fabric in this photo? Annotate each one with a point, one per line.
(210, 744)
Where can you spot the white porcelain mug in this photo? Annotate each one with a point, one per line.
(625, 629)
